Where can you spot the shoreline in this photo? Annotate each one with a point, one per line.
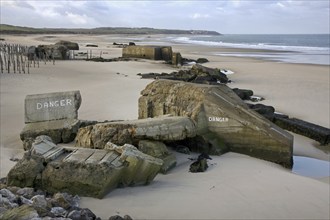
(259, 189)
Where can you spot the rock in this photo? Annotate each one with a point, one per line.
(182, 149)
(7, 194)
(159, 150)
(198, 166)
(6, 203)
(70, 45)
(26, 192)
(92, 45)
(222, 119)
(26, 201)
(58, 212)
(199, 70)
(202, 60)
(60, 200)
(23, 212)
(118, 217)
(41, 205)
(158, 129)
(28, 209)
(244, 94)
(201, 164)
(313, 131)
(264, 110)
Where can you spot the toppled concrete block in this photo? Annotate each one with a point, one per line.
(220, 116)
(130, 132)
(86, 172)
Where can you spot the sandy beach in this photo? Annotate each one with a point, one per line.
(235, 186)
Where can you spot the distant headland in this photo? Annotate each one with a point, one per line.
(11, 29)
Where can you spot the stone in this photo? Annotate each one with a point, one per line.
(81, 171)
(264, 110)
(5, 202)
(26, 192)
(8, 194)
(58, 211)
(130, 132)
(202, 60)
(200, 70)
(70, 45)
(24, 212)
(52, 106)
(159, 150)
(221, 118)
(41, 205)
(59, 200)
(199, 166)
(244, 94)
(60, 131)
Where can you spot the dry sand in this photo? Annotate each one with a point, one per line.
(235, 186)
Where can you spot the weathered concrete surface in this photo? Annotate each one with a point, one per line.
(86, 172)
(61, 131)
(159, 150)
(130, 132)
(219, 115)
(148, 52)
(52, 106)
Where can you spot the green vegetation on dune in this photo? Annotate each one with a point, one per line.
(11, 29)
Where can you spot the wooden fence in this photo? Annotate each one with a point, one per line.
(14, 58)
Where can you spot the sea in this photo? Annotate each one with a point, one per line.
(291, 48)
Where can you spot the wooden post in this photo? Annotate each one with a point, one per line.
(1, 62)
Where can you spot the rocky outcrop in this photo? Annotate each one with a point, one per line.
(131, 132)
(197, 74)
(86, 172)
(220, 117)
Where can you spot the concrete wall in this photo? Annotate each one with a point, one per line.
(148, 52)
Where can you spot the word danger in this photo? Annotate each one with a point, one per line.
(53, 104)
(218, 119)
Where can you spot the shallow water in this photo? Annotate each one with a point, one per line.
(311, 167)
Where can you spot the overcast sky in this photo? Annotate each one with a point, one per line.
(225, 16)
